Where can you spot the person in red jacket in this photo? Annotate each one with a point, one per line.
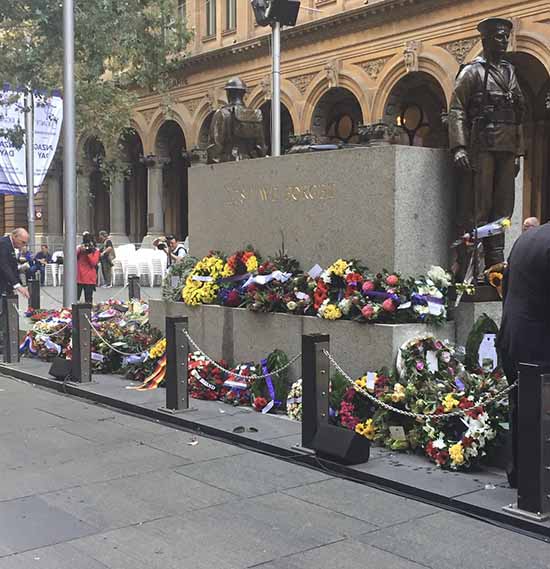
(87, 260)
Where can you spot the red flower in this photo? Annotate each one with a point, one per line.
(442, 457)
(367, 311)
(233, 298)
(388, 305)
(465, 403)
(392, 280)
(320, 294)
(260, 403)
(368, 286)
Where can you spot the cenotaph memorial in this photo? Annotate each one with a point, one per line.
(392, 207)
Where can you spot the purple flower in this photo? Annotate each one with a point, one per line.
(419, 365)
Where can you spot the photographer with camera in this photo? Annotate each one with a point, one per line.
(87, 260)
(174, 251)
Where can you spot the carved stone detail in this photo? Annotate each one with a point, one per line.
(373, 68)
(265, 86)
(460, 48)
(212, 98)
(302, 81)
(148, 114)
(410, 55)
(193, 104)
(332, 72)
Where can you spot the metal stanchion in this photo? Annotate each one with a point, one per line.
(330, 441)
(34, 290)
(533, 444)
(134, 291)
(82, 343)
(177, 351)
(10, 326)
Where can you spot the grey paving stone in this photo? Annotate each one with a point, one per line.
(251, 474)
(94, 463)
(29, 523)
(345, 554)
(231, 536)
(59, 556)
(367, 504)
(136, 499)
(447, 541)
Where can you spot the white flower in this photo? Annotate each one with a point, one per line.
(322, 308)
(446, 357)
(345, 305)
(439, 443)
(419, 309)
(325, 276)
(440, 276)
(291, 305)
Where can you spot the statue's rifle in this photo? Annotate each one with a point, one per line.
(475, 147)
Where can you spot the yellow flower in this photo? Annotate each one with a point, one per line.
(449, 402)
(332, 312)
(361, 382)
(366, 429)
(338, 268)
(158, 349)
(227, 271)
(398, 394)
(506, 223)
(456, 452)
(252, 264)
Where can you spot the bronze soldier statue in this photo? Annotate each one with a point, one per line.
(236, 132)
(486, 139)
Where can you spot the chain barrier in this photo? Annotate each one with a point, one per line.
(486, 400)
(114, 348)
(228, 371)
(119, 291)
(41, 334)
(57, 301)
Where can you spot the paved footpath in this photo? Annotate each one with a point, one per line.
(86, 487)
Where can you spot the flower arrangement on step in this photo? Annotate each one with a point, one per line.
(429, 380)
(345, 290)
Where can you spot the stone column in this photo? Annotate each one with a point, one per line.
(118, 210)
(83, 206)
(155, 210)
(53, 235)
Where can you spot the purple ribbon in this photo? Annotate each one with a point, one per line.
(269, 382)
(379, 295)
(423, 299)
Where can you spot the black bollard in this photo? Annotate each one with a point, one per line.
(533, 444)
(10, 328)
(34, 291)
(82, 343)
(335, 443)
(134, 292)
(177, 351)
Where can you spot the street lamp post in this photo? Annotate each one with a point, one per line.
(69, 157)
(29, 165)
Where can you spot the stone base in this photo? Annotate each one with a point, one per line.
(119, 239)
(467, 313)
(238, 335)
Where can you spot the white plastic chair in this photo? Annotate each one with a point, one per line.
(145, 267)
(50, 274)
(159, 262)
(118, 272)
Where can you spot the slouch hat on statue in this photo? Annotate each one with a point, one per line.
(489, 25)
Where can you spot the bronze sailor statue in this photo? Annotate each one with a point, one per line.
(486, 139)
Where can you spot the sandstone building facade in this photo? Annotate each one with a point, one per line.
(347, 62)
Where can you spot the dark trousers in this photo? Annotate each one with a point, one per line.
(493, 184)
(88, 292)
(511, 371)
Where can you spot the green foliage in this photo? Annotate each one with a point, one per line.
(123, 48)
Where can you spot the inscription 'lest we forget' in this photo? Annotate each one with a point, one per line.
(313, 192)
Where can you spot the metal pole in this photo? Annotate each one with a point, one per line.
(82, 343)
(69, 156)
(10, 318)
(276, 94)
(29, 159)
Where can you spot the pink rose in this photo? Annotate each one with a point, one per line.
(392, 280)
(419, 365)
(367, 311)
(388, 305)
(368, 286)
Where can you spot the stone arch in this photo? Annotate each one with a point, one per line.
(417, 103)
(350, 78)
(157, 121)
(289, 95)
(433, 60)
(170, 143)
(203, 111)
(287, 126)
(534, 39)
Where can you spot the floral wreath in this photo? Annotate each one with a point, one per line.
(206, 381)
(201, 286)
(238, 387)
(294, 401)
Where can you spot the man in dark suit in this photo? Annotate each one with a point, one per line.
(525, 331)
(9, 275)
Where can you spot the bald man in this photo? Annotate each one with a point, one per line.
(530, 223)
(9, 275)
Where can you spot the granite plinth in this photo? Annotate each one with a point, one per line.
(238, 335)
(392, 207)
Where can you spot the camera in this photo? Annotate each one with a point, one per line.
(161, 246)
(88, 243)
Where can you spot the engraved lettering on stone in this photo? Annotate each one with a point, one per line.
(460, 48)
(410, 55)
(302, 81)
(314, 192)
(373, 68)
